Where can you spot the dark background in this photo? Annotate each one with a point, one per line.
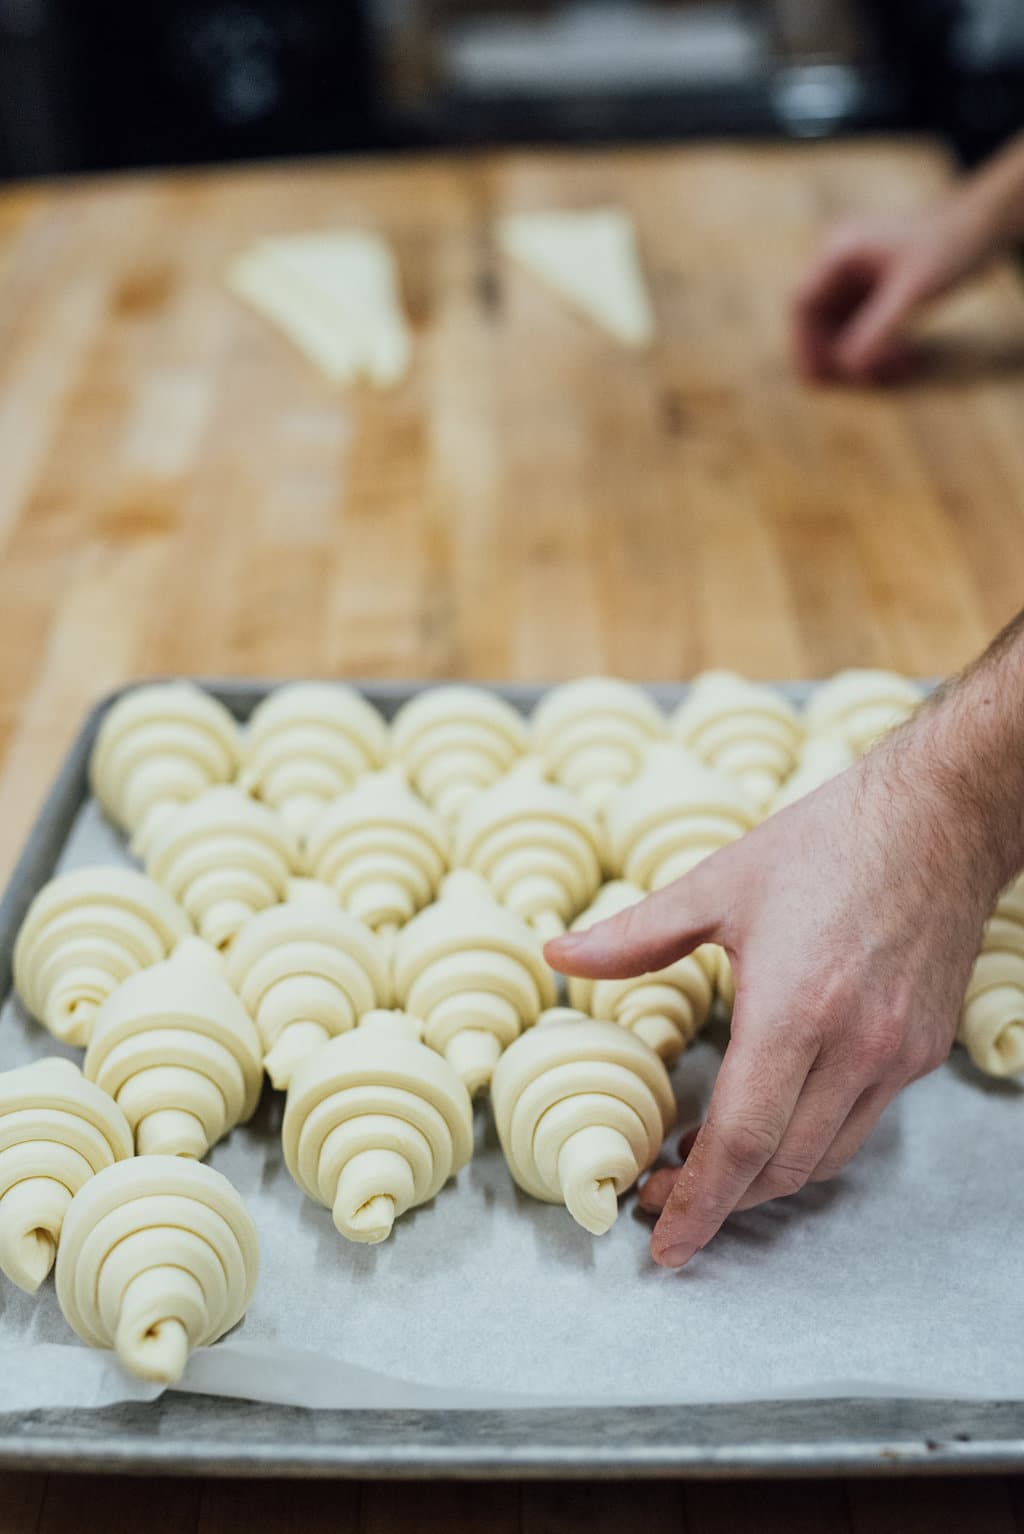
(102, 84)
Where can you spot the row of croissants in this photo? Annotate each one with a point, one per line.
(359, 912)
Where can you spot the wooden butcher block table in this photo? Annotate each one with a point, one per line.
(181, 492)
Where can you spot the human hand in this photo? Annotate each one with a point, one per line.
(851, 310)
(851, 920)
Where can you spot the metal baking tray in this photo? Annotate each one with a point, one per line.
(203, 1435)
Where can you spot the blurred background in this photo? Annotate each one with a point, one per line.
(113, 83)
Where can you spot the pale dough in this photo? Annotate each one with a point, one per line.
(992, 1018)
(178, 1052)
(666, 1009)
(158, 1257)
(581, 1108)
(676, 812)
(860, 706)
(454, 742)
(306, 744)
(157, 747)
(223, 856)
(537, 845)
(593, 734)
(336, 296)
(306, 971)
(381, 848)
(822, 757)
(57, 1131)
(84, 933)
(667, 820)
(742, 728)
(474, 973)
(589, 259)
(375, 1124)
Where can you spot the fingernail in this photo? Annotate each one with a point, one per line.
(673, 1256)
(562, 947)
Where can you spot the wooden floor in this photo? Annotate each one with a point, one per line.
(180, 493)
(34, 1505)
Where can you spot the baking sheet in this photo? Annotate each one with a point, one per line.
(894, 1281)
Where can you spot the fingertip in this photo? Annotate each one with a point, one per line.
(558, 951)
(672, 1256)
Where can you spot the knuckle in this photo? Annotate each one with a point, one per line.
(881, 1042)
(925, 1060)
(748, 1143)
(781, 1179)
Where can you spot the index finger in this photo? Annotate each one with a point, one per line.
(757, 1091)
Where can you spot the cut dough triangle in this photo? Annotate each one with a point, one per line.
(589, 259)
(337, 299)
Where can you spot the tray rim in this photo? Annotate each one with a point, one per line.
(206, 1435)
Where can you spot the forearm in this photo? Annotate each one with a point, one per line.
(962, 756)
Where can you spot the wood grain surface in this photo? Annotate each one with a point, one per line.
(181, 493)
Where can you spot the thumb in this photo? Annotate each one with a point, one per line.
(868, 339)
(646, 936)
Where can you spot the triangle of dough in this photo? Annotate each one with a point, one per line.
(336, 297)
(589, 259)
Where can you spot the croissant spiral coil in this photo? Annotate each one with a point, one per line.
(57, 1131)
(375, 1124)
(582, 1108)
(159, 1257)
(992, 1017)
(861, 705)
(593, 734)
(474, 972)
(381, 848)
(666, 1009)
(306, 744)
(223, 857)
(179, 1054)
(744, 729)
(158, 747)
(536, 844)
(86, 932)
(456, 741)
(306, 971)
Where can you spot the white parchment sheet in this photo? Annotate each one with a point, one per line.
(902, 1278)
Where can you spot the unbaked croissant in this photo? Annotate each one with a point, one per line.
(666, 1009)
(474, 972)
(159, 1257)
(306, 971)
(57, 1131)
(375, 1124)
(593, 734)
(455, 741)
(861, 705)
(158, 747)
(992, 1017)
(84, 933)
(674, 814)
(306, 744)
(224, 856)
(582, 1108)
(381, 848)
(536, 844)
(179, 1054)
(821, 758)
(744, 729)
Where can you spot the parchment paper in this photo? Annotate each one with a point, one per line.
(903, 1278)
